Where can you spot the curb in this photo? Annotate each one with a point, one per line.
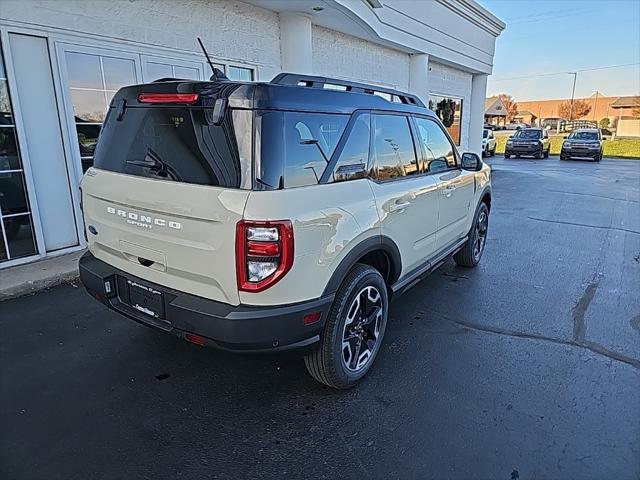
(31, 278)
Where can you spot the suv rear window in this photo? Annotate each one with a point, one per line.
(177, 143)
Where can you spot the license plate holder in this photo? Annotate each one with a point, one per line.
(146, 299)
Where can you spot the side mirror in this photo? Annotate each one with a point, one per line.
(471, 161)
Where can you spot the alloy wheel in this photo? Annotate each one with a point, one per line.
(480, 235)
(361, 330)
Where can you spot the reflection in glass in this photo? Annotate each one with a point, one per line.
(156, 71)
(84, 70)
(19, 232)
(449, 111)
(13, 196)
(393, 149)
(3, 250)
(88, 105)
(9, 158)
(87, 140)
(5, 104)
(118, 72)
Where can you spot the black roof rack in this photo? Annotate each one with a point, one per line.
(321, 82)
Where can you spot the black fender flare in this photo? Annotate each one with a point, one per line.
(379, 242)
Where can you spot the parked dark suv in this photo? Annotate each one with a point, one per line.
(530, 142)
(583, 143)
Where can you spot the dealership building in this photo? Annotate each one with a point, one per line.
(62, 61)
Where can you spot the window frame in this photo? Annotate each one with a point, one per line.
(456, 153)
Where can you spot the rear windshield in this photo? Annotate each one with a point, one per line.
(528, 134)
(584, 136)
(178, 144)
(485, 133)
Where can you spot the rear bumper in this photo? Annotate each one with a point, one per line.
(241, 328)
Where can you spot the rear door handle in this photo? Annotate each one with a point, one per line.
(399, 207)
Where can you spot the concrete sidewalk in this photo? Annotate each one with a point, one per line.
(32, 277)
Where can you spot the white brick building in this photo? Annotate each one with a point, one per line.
(62, 60)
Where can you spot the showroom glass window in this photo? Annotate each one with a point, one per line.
(93, 80)
(16, 224)
(449, 111)
(240, 74)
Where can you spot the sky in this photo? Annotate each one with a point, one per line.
(551, 36)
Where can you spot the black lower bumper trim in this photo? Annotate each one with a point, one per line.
(242, 328)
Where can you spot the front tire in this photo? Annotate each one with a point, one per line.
(353, 331)
(471, 253)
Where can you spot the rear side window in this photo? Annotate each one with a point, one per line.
(310, 139)
(438, 150)
(177, 143)
(295, 148)
(392, 149)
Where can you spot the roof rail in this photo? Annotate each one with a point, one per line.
(321, 82)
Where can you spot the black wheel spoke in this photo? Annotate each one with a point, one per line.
(360, 333)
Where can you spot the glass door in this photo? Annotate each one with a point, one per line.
(17, 239)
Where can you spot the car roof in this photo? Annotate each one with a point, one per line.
(314, 97)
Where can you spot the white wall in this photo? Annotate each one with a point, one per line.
(230, 30)
(444, 80)
(339, 55)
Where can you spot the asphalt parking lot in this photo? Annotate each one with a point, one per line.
(527, 367)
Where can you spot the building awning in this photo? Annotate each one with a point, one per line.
(627, 102)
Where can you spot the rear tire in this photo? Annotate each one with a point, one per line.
(471, 253)
(546, 154)
(492, 153)
(506, 155)
(353, 331)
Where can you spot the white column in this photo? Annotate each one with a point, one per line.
(476, 117)
(295, 42)
(418, 76)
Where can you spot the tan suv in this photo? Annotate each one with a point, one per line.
(257, 217)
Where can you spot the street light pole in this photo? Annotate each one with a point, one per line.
(573, 93)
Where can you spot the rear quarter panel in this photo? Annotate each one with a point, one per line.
(328, 221)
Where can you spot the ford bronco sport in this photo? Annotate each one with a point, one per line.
(256, 217)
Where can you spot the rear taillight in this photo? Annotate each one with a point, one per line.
(187, 98)
(264, 253)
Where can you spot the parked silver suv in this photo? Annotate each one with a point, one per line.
(256, 217)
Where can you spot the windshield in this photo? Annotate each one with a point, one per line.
(178, 144)
(485, 134)
(584, 136)
(528, 134)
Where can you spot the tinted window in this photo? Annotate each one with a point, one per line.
(584, 136)
(439, 152)
(352, 162)
(309, 139)
(393, 151)
(485, 133)
(528, 134)
(178, 144)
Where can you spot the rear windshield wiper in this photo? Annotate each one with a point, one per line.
(153, 162)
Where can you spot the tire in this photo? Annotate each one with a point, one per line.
(539, 154)
(492, 153)
(599, 157)
(471, 253)
(506, 155)
(546, 154)
(328, 363)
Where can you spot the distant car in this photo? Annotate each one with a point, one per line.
(553, 123)
(584, 143)
(488, 126)
(530, 142)
(488, 143)
(516, 126)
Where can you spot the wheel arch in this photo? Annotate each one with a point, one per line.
(380, 252)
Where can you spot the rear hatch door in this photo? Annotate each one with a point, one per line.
(167, 189)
